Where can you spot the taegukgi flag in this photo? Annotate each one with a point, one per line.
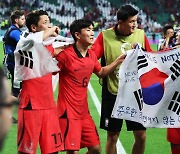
(32, 59)
(149, 89)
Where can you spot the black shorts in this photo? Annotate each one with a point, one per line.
(113, 124)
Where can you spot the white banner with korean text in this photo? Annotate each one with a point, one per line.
(149, 89)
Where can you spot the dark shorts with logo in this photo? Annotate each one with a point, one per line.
(112, 124)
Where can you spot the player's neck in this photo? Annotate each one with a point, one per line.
(16, 25)
(122, 31)
(82, 49)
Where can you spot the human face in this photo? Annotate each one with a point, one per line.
(129, 26)
(170, 33)
(21, 21)
(43, 24)
(86, 36)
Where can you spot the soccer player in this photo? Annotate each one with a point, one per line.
(108, 46)
(77, 63)
(38, 118)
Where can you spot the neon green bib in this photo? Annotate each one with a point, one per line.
(113, 46)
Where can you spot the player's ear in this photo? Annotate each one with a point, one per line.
(16, 20)
(33, 28)
(77, 35)
(120, 22)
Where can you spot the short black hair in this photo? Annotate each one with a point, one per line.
(165, 28)
(16, 15)
(33, 18)
(126, 11)
(79, 24)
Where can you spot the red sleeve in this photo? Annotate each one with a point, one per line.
(98, 46)
(61, 60)
(97, 66)
(147, 45)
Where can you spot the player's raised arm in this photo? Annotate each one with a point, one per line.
(51, 31)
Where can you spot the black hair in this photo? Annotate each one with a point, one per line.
(165, 28)
(33, 18)
(126, 11)
(16, 15)
(79, 24)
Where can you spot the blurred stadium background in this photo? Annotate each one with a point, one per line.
(153, 15)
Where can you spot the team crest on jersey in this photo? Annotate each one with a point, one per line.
(73, 142)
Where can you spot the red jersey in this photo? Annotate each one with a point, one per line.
(73, 81)
(98, 46)
(37, 93)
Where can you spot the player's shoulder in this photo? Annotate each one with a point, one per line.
(15, 30)
(66, 52)
(140, 31)
(68, 49)
(108, 30)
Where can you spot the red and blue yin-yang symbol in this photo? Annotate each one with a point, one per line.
(152, 84)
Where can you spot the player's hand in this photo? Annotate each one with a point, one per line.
(121, 58)
(55, 30)
(134, 45)
(51, 32)
(59, 49)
